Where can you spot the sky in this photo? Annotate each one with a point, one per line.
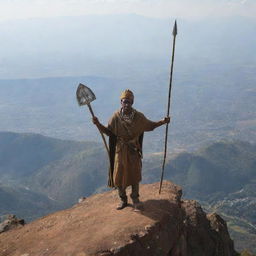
(189, 9)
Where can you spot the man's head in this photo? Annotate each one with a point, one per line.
(127, 99)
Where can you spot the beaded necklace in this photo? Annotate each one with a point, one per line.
(127, 117)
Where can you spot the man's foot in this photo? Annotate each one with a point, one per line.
(122, 205)
(138, 206)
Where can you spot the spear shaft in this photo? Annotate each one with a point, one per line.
(174, 33)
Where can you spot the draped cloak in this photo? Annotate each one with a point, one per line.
(125, 144)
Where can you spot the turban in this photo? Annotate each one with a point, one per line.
(127, 94)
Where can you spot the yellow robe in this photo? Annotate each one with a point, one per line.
(127, 158)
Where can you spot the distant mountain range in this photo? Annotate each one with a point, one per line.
(40, 175)
(202, 111)
(213, 94)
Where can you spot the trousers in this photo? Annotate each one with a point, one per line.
(134, 194)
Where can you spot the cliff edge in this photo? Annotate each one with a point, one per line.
(168, 226)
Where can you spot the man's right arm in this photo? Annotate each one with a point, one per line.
(100, 126)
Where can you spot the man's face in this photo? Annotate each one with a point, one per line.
(126, 104)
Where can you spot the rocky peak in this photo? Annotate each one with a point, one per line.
(168, 226)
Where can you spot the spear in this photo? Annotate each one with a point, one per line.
(174, 33)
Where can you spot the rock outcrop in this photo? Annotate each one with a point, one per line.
(168, 226)
(10, 222)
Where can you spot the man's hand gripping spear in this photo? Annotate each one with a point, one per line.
(174, 33)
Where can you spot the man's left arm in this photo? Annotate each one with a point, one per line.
(151, 125)
(165, 120)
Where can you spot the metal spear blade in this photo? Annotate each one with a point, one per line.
(175, 30)
(84, 95)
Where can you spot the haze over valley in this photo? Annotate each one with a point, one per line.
(213, 95)
(50, 152)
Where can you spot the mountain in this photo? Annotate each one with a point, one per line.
(72, 177)
(216, 169)
(168, 225)
(201, 112)
(220, 175)
(24, 202)
(22, 156)
(62, 170)
(213, 90)
(221, 167)
(213, 98)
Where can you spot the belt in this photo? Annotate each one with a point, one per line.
(130, 146)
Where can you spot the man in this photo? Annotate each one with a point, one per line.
(125, 129)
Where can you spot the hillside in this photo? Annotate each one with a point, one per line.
(26, 203)
(216, 169)
(22, 156)
(72, 177)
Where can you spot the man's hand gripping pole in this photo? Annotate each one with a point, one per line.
(85, 96)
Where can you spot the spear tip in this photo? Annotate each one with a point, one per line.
(175, 31)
